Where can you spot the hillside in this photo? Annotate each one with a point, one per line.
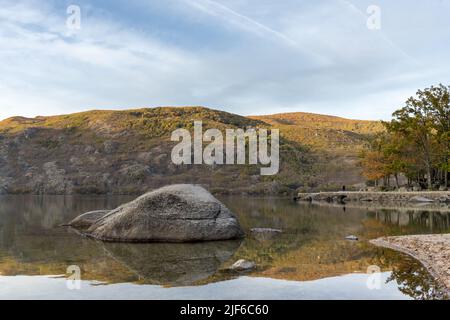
(128, 152)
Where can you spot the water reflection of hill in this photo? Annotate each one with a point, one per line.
(313, 244)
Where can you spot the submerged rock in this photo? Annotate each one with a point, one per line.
(85, 221)
(177, 213)
(265, 233)
(265, 230)
(420, 199)
(243, 265)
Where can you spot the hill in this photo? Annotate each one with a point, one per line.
(324, 133)
(128, 152)
(334, 142)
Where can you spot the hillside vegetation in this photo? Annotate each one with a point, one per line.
(128, 152)
(336, 144)
(324, 133)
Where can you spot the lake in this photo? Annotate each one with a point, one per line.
(310, 260)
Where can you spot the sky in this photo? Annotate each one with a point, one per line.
(249, 57)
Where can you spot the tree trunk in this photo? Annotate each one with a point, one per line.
(429, 177)
(446, 178)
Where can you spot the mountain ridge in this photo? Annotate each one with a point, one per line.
(128, 152)
(268, 116)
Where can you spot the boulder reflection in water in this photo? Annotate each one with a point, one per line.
(176, 264)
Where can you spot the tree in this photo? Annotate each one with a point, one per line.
(416, 142)
(437, 100)
(424, 122)
(375, 161)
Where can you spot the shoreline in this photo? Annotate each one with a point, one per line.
(377, 196)
(401, 206)
(431, 250)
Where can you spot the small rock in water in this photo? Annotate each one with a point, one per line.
(243, 265)
(352, 238)
(266, 231)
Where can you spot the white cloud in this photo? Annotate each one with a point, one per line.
(47, 71)
(250, 57)
(221, 11)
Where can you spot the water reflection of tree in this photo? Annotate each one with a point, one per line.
(414, 281)
(410, 275)
(412, 221)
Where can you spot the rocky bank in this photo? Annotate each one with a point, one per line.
(382, 197)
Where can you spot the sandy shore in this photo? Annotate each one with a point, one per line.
(433, 251)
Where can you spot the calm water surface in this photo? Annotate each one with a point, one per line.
(310, 260)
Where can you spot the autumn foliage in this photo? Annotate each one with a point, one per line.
(415, 144)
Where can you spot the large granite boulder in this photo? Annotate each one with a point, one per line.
(177, 213)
